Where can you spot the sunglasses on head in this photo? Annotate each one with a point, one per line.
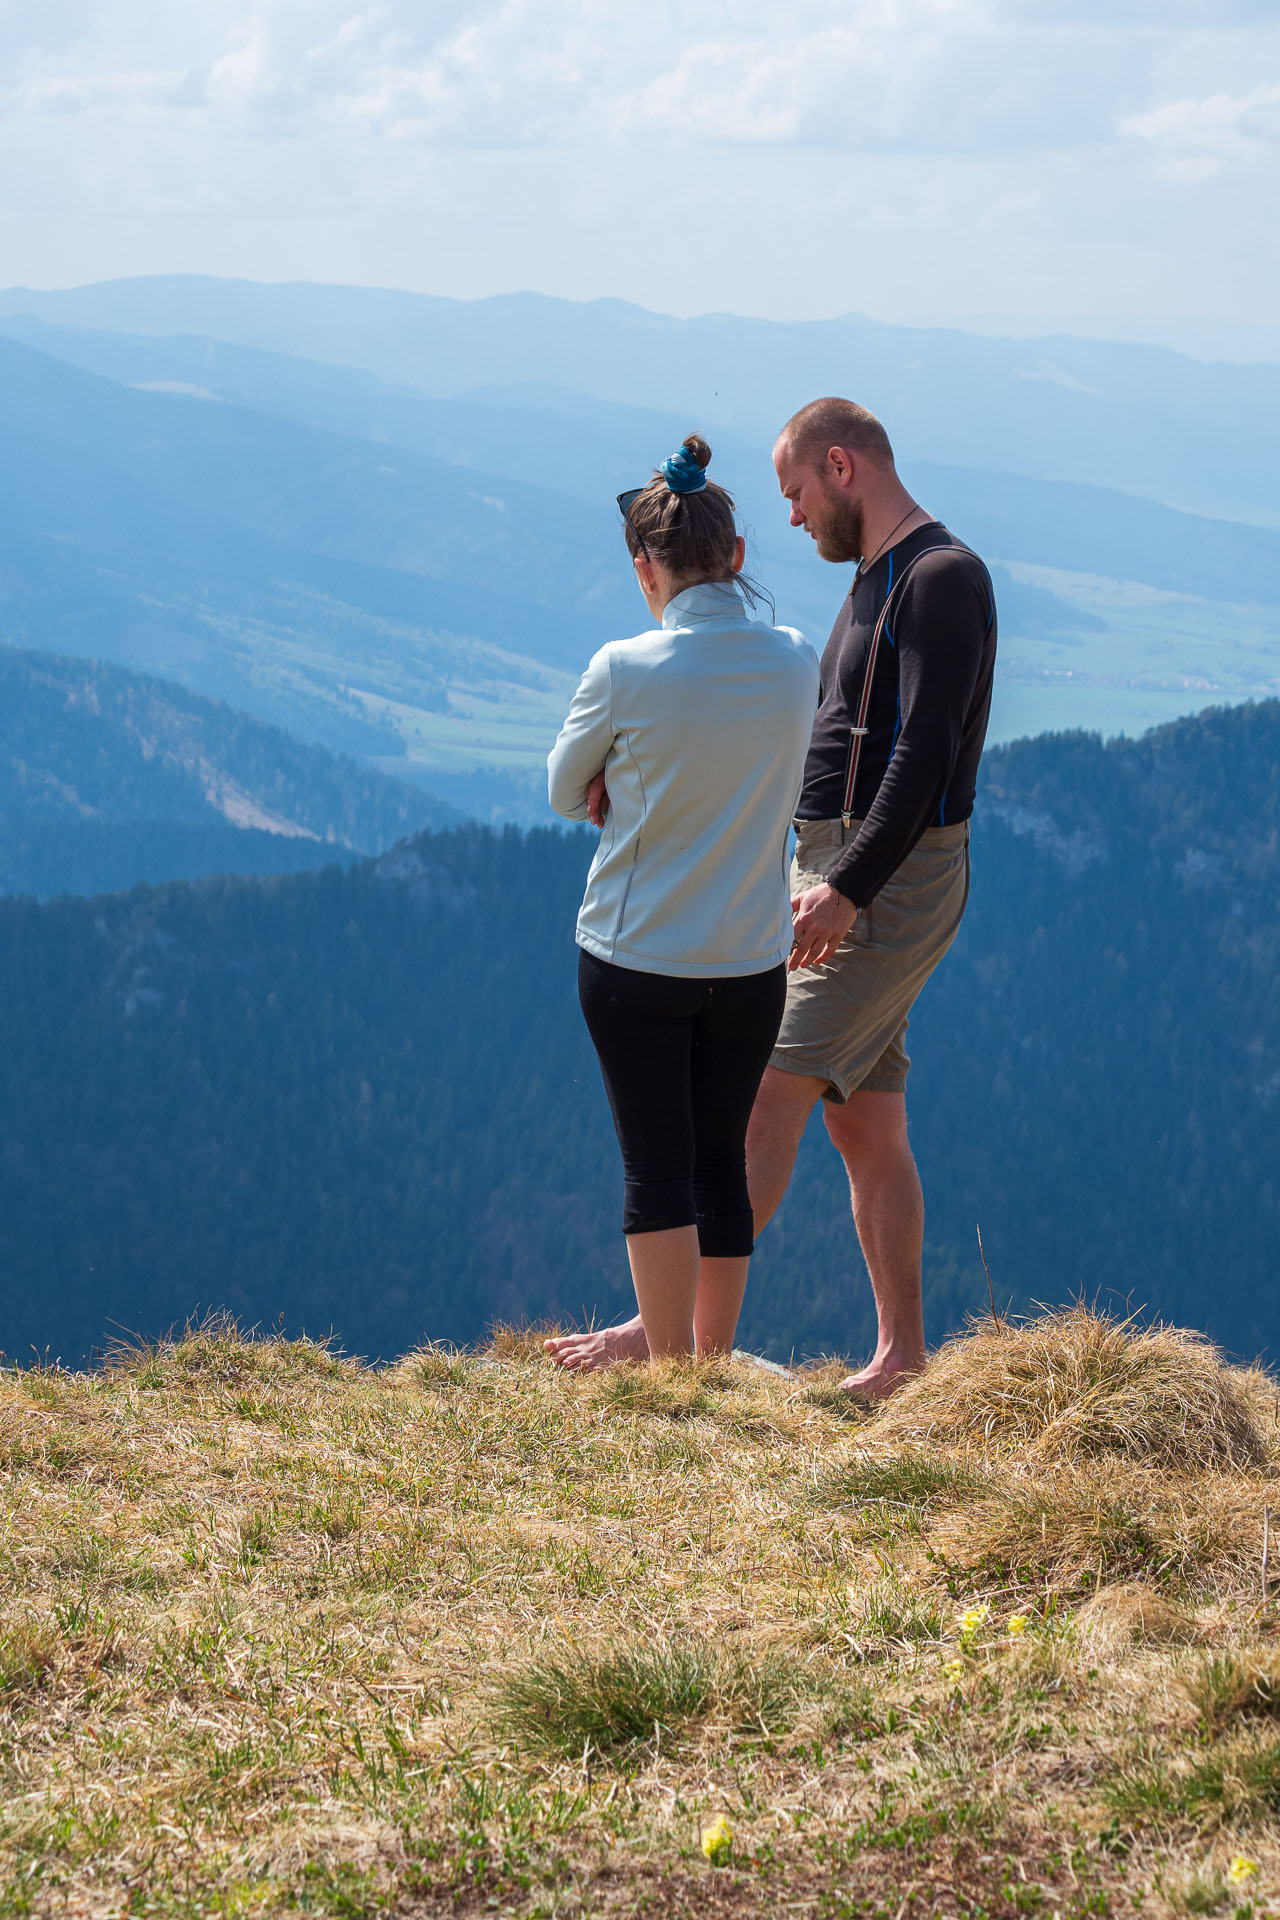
(625, 503)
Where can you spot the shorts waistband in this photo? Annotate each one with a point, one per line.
(834, 833)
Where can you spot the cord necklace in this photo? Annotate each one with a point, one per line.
(863, 565)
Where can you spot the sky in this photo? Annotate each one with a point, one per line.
(905, 158)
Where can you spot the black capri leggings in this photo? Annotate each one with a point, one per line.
(682, 1061)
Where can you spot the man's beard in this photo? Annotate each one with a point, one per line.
(840, 536)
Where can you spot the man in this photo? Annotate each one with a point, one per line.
(881, 873)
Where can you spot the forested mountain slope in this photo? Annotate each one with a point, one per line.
(364, 1100)
(108, 776)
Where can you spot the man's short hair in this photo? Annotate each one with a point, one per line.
(836, 423)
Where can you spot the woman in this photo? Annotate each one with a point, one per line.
(699, 728)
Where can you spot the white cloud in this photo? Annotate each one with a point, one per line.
(730, 91)
(1198, 139)
(940, 154)
(244, 75)
(909, 75)
(875, 74)
(105, 92)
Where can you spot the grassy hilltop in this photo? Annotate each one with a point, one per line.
(282, 1633)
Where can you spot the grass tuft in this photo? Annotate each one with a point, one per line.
(219, 1348)
(919, 1482)
(1132, 1615)
(1230, 1687)
(1067, 1535)
(575, 1701)
(26, 1658)
(1077, 1385)
(830, 1399)
(1237, 1786)
(522, 1340)
(676, 1390)
(1197, 1892)
(890, 1615)
(436, 1366)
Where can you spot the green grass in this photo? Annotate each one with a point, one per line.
(890, 1613)
(895, 1494)
(1236, 1787)
(679, 1395)
(578, 1702)
(831, 1400)
(1227, 1688)
(440, 1367)
(27, 1654)
(1199, 1893)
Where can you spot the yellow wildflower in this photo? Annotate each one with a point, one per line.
(1241, 1870)
(953, 1670)
(971, 1620)
(1018, 1622)
(717, 1840)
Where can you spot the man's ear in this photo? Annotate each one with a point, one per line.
(840, 466)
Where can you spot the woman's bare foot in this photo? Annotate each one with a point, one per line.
(879, 1378)
(604, 1347)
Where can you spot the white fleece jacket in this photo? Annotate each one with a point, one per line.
(702, 727)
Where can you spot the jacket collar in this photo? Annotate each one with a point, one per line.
(715, 602)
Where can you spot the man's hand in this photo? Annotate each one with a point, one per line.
(821, 919)
(597, 800)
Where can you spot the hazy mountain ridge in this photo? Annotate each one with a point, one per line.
(1193, 434)
(244, 550)
(419, 576)
(522, 449)
(323, 1097)
(328, 494)
(216, 485)
(97, 564)
(337, 496)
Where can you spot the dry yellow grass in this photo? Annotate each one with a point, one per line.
(280, 1634)
(1075, 1385)
(1133, 1615)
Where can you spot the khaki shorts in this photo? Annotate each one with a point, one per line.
(846, 1021)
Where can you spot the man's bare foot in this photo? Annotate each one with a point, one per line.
(878, 1379)
(604, 1347)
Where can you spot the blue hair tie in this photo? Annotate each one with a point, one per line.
(682, 473)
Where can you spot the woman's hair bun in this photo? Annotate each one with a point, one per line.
(698, 448)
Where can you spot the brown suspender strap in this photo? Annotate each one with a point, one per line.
(858, 733)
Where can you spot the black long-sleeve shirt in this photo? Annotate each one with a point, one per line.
(929, 704)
